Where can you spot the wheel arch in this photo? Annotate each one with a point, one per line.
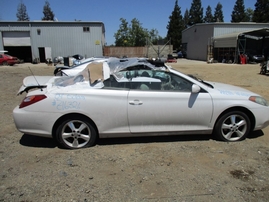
(241, 109)
(64, 117)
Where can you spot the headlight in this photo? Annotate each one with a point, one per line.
(258, 100)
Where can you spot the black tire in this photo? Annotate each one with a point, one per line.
(232, 126)
(75, 133)
(5, 63)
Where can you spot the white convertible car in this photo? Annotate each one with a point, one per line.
(137, 97)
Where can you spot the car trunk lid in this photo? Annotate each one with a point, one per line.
(31, 82)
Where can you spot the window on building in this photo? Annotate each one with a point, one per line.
(86, 29)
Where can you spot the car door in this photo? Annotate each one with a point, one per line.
(169, 110)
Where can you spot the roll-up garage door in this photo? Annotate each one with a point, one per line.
(226, 41)
(16, 38)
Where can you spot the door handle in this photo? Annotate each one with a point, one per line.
(135, 102)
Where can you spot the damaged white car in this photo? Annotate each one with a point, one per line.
(136, 97)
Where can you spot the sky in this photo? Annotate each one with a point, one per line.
(152, 14)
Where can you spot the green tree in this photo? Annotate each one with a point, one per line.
(122, 35)
(22, 13)
(261, 11)
(249, 14)
(138, 35)
(186, 19)
(208, 15)
(196, 13)
(175, 27)
(48, 14)
(154, 37)
(131, 35)
(238, 14)
(218, 14)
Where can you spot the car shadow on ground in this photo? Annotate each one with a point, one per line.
(36, 141)
(153, 139)
(163, 139)
(43, 142)
(255, 134)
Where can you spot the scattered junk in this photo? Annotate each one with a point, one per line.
(243, 59)
(210, 60)
(264, 67)
(68, 61)
(36, 61)
(58, 60)
(49, 61)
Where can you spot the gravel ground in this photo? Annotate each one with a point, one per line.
(178, 168)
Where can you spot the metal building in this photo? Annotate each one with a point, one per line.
(224, 41)
(48, 39)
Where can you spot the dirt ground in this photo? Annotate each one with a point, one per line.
(178, 168)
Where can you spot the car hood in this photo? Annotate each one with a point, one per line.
(31, 82)
(227, 89)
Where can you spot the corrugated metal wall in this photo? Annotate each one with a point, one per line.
(64, 38)
(199, 36)
(1, 42)
(228, 28)
(197, 39)
(68, 39)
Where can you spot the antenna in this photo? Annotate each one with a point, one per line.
(35, 78)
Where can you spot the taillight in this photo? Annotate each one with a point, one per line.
(31, 100)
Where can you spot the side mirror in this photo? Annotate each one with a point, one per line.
(195, 88)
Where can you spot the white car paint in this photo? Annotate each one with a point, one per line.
(129, 111)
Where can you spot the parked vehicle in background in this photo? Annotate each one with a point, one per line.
(174, 55)
(253, 57)
(6, 59)
(171, 58)
(181, 54)
(78, 57)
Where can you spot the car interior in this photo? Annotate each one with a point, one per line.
(145, 80)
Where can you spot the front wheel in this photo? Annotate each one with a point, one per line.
(232, 126)
(75, 133)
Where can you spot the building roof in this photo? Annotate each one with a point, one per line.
(54, 23)
(230, 40)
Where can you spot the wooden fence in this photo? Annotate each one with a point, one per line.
(146, 51)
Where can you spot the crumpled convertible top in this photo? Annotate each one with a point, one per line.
(119, 64)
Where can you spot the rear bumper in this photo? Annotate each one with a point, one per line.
(34, 123)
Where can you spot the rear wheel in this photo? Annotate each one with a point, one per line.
(232, 126)
(75, 133)
(5, 63)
